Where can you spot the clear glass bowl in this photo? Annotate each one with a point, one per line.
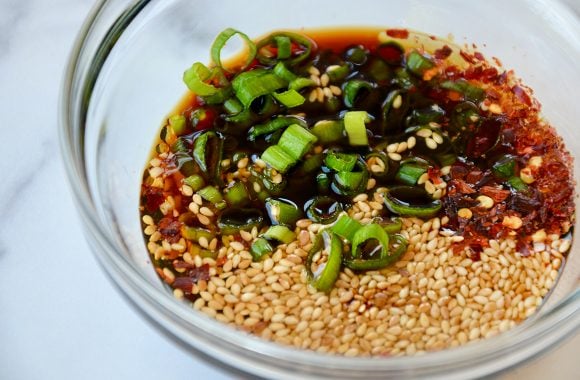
(124, 76)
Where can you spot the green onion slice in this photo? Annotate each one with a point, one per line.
(354, 124)
(411, 201)
(284, 45)
(409, 174)
(233, 220)
(328, 131)
(340, 161)
(267, 57)
(282, 71)
(195, 79)
(250, 85)
(296, 141)
(468, 90)
(322, 209)
(505, 167)
(280, 233)
(195, 181)
(325, 277)
(236, 194)
(278, 158)
(417, 63)
(221, 41)
(290, 98)
(260, 248)
(396, 249)
(353, 89)
(282, 211)
(346, 227)
(274, 125)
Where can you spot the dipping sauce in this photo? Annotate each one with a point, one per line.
(358, 192)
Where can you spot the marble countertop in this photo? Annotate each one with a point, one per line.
(60, 317)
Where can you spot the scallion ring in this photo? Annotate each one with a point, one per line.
(221, 41)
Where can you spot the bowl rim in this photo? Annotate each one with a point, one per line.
(552, 327)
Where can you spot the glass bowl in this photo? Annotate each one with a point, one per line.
(124, 75)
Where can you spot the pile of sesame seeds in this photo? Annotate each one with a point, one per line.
(433, 298)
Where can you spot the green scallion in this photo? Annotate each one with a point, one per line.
(290, 98)
(280, 233)
(297, 141)
(221, 41)
(250, 85)
(328, 131)
(418, 63)
(260, 248)
(340, 162)
(278, 158)
(354, 124)
(282, 211)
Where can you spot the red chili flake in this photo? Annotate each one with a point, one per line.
(443, 53)
(462, 186)
(523, 248)
(153, 198)
(398, 33)
(390, 54)
(477, 55)
(522, 95)
(169, 229)
(466, 56)
(495, 193)
(221, 261)
(434, 175)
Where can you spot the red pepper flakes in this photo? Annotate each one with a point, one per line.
(169, 229)
(398, 33)
(443, 52)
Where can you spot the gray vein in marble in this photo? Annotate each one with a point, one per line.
(26, 179)
(12, 13)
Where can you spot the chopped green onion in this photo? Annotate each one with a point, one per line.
(274, 125)
(357, 55)
(195, 79)
(322, 209)
(284, 46)
(195, 181)
(265, 55)
(326, 275)
(221, 41)
(323, 182)
(424, 116)
(470, 91)
(411, 201)
(379, 71)
(210, 194)
(280, 233)
(200, 148)
(185, 163)
(465, 114)
(417, 63)
(180, 146)
(340, 162)
(338, 73)
(366, 233)
(346, 227)
(312, 164)
(300, 83)
(233, 106)
(392, 254)
(236, 194)
(178, 125)
(233, 220)
(409, 174)
(393, 226)
(393, 110)
(282, 211)
(353, 89)
(354, 124)
(250, 85)
(404, 79)
(194, 233)
(505, 167)
(516, 183)
(260, 248)
(297, 141)
(278, 158)
(328, 131)
(290, 98)
(282, 71)
(446, 159)
(349, 183)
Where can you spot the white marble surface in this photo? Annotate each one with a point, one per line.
(60, 318)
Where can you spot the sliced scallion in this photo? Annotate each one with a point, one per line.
(195, 79)
(266, 56)
(322, 209)
(278, 158)
(280, 233)
(353, 90)
(260, 248)
(340, 161)
(297, 141)
(290, 98)
(210, 194)
(236, 194)
(409, 174)
(250, 85)
(328, 131)
(411, 201)
(469, 91)
(195, 181)
(354, 124)
(346, 227)
(325, 277)
(221, 41)
(282, 211)
(232, 220)
(282, 71)
(274, 125)
(418, 63)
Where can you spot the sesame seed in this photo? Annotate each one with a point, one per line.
(395, 156)
(431, 144)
